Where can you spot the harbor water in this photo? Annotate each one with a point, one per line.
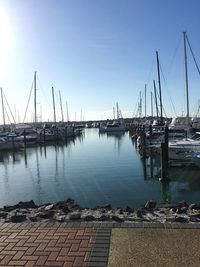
(93, 169)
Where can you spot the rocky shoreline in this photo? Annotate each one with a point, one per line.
(68, 210)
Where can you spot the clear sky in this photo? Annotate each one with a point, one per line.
(96, 52)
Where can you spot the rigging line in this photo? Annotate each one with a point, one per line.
(151, 70)
(192, 54)
(174, 56)
(168, 94)
(164, 112)
(9, 107)
(28, 101)
(155, 101)
(136, 106)
(42, 89)
(7, 115)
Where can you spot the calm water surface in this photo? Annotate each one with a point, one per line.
(94, 170)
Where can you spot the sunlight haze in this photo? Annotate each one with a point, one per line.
(96, 53)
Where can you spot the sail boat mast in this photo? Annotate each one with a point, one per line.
(35, 104)
(151, 104)
(117, 107)
(145, 101)
(3, 111)
(186, 77)
(54, 111)
(154, 85)
(61, 107)
(67, 112)
(159, 83)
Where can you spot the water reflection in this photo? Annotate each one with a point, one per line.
(165, 192)
(185, 181)
(93, 169)
(116, 136)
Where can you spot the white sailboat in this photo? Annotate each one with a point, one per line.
(117, 125)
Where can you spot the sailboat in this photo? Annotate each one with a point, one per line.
(179, 147)
(117, 125)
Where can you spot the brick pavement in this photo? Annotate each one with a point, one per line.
(75, 244)
(46, 246)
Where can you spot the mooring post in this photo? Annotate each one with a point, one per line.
(65, 132)
(44, 136)
(56, 134)
(40, 138)
(25, 138)
(144, 141)
(164, 177)
(162, 161)
(166, 147)
(150, 132)
(144, 136)
(13, 143)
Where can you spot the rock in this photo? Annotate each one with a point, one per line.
(49, 207)
(89, 218)
(21, 205)
(120, 211)
(129, 209)
(69, 200)
(66, 205)
(3, 214)
(170, 219)
(60, 218)
(181, 210)
(46, 215)
(139, 213)
(131, 219)
(75, 216)
(193, 206)
(33, 219)
(117, 218)
(168, 206)
(27, 205)
(151, 204)
(183, 203)
(18, 218)
(107, 207)
(194, 217)
(9, 208)
(104, 218)
(181, 219)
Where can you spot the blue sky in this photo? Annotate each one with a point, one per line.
(96, 53)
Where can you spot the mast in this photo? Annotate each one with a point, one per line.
(54, 111)
(145, 101)
(81, 115)
(3, 111)
(117, 110)
(151, 104)
(35, 103)
(114, 113)
(67, 112)
(154, 85)
(159, 83)
(61, 106)
(140, 106)
(186, 78)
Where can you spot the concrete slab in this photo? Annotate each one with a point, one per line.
(154, 247)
